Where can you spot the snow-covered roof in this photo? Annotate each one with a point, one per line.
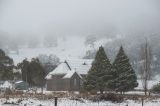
(70, 74)
(81, 66)
(60, 69)
(49, 76)
(19, 82)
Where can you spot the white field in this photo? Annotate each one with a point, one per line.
(67, 102)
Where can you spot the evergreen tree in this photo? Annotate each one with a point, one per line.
(125, 75)
(25, 71)
(37, 73)
(33, 72)
(99, 75)
(6, 66)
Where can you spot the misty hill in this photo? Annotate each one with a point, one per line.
(66, 48)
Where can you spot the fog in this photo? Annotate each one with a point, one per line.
(33, 22)
(78, 17)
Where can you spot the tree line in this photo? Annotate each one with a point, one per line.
(33, 72)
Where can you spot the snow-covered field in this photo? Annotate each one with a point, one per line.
(67, 102)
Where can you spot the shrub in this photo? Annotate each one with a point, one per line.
(156, 88)
(93, 92)
(108, 97)
(8, 91)
(111, 97)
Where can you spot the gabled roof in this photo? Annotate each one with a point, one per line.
(81, 66)
(61, 69)
(70, 74)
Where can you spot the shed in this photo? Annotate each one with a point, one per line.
(21, 85)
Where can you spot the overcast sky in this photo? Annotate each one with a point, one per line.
(77, 17)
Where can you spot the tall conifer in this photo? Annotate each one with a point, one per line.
(99, 74)
(125, 75)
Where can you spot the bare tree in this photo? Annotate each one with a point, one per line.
(145, 66)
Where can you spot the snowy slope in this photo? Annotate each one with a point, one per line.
(72, 47)
(68, 48)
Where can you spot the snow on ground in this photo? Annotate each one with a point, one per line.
(6, 84)
(67, 102)
(151, 83)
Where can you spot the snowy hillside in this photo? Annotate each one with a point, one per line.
(67, 48)
(72, 47)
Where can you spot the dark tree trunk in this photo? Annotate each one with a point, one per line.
(121, 92)
(101, 91)
(42, 90)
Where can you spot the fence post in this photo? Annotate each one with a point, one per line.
(142, 102)
(56, 101)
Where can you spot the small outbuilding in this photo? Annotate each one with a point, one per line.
(21, 85)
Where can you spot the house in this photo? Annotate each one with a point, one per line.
(68, 76)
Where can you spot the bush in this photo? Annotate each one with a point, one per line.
(156, 88)
(108, 97)
(112, 97)
(8, 91)
(93, 92)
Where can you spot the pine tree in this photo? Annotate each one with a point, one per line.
(125, 75)
(6, 66)
(98, 77)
